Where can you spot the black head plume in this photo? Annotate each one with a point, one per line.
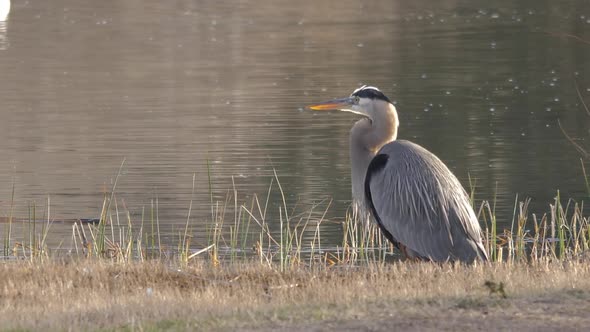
(370, 92)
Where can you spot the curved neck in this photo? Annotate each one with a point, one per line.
(366, 138)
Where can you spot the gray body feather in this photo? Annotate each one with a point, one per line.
(424, 207)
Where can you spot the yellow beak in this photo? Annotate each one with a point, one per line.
(336, 104)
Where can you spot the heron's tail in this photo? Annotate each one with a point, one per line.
(482, 252)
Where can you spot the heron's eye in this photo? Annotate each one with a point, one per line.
(357, 100)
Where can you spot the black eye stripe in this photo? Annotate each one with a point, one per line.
(371, 93)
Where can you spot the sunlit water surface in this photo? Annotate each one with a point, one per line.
(217, 90)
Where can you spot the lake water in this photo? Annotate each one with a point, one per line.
(169, 88)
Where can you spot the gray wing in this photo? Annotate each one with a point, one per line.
(417, 200)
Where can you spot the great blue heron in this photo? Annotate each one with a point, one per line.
(417, 202)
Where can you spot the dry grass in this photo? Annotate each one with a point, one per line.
(250, 278)
(95, 294)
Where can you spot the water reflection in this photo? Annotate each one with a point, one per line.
(4, 11)
(215, 89)
(4, 43)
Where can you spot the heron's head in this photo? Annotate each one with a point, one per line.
(366, 101)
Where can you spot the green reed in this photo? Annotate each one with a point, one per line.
(293, 238)
(8, 237)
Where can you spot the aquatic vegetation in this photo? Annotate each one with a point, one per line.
(292, 241)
